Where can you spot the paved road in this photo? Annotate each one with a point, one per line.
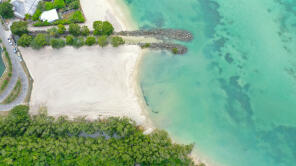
(17, 73)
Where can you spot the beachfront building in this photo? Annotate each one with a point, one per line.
(23, 7)
(49, 16)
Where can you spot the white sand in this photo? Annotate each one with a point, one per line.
(89, 81)
(113, 11)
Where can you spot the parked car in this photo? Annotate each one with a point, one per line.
(20, 59)
(14, 50)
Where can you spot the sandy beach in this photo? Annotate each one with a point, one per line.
(89, 81)
(113, 11)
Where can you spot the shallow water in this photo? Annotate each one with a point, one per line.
(234, 93)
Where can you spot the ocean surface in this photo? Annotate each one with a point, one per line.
(234, 93)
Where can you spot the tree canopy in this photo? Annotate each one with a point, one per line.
(78, 42)
(57, 43)
(6, 10)
(84, 30)
(44, 140)
(117, 41)
(39, 41)
(102, 28)
(90, 40)
(61, 29)
(19, 28)
(103, 41)
(59, 4)
(25, 40)
(74, 29)
(69, 40)
(53, 32)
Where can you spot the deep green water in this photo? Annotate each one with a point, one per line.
(234, 93)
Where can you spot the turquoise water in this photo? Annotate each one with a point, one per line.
(2, 66)
(234, 93)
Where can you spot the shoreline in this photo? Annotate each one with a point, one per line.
(127, 23)
(148, 124)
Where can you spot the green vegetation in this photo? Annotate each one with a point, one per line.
(36, 15)
(175, 50)
(44, 140)
(78, 42)
(57, 43)
(69, 40)
(14, 94)
(49, 5)
(77, 17)
(74, 29)
(6, 10)
(53, 32)
(90, 40)
(103, 28)
(19, 28)
(117, 41)
(39, 41)
(74, 4)
(84, 30)
(61, 5)
(28, 16)
(61, 29)
(146, 45)
(103, 40)
(25, 40)
(7, 77)
(52, 35)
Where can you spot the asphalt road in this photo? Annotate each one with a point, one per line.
(17, 73)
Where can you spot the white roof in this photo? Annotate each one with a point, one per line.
(23, 7)
(49, 16)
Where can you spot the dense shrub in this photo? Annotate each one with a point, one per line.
(49, 6)
(53, 32)
(77, 17)
(90, 40)
(107, 28)
(25, 40)
(59, 4)
(19, 28)
(57, 43)
(98, 27)
(117, 41)
(6, 10)
(36, 15)
(103, 40)
(78, 42)
(102, 28)
(39, 41)
(84, 30)
(175, 50)
(69, 40)
(74, 29)
(41, 6)
(41, 23)
(62, 21)
(61, 29)
(146, 45)
(74, 5)
(44, 140)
